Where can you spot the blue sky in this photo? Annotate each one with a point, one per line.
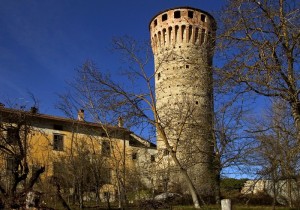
(43, 41)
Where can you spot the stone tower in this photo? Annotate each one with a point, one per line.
(182, 41)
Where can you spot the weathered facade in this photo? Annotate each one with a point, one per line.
(182, 42)
(66, 147)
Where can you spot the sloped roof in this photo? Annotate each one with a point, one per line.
(35, 115)
(7, 113)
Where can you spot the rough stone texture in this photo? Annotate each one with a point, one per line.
(182, 42)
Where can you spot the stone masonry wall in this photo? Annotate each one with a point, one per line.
(182, 41)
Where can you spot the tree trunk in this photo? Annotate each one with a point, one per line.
(192, 188)
(217, 187)
(183, 171)
(296, 115)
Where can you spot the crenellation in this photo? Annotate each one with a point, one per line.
(180, 26)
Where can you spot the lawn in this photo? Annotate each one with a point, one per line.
(234, 207)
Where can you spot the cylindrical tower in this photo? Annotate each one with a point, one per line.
(182, 42)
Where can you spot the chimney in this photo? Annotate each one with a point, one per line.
(34, 110)
(80, 116)
(120, 122)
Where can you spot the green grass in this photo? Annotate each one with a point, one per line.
(208, 207)
(234, 207)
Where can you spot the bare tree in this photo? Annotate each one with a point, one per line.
(83, 170)
(111, 161)
(232, 143)
(259, 49)
(277, 153)
(16, 180)
(107, 99)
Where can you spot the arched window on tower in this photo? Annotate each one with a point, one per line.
(190, 33)
(196, 35)
(159, 38)
(176, 33)
(170, 34)
(155, 41)
(202, 36)
(164, 32)
(183, 32)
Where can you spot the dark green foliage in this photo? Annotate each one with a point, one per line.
(231, 188)
(231, 184)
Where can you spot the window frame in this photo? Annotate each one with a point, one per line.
(58, 142)
(12, 134)
(106, 149)
(134, 156)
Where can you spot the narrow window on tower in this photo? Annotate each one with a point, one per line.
(187, 66)
(177, 14)
(182, 32)
(155, 22)
(170, 34)
(202, 36)
(164, 17)
(164, 32)
(176, 33)
(203, 18)
(190, 14)
(158, 76)
(196, 35)
(190, 32)
(159, 38)
(197, 102)
(155, 41)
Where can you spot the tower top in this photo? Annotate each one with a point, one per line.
(185, 8)
(182, 27)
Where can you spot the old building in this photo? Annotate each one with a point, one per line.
(68, 147)
(182, 42)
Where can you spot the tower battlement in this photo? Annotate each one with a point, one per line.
(180, 26)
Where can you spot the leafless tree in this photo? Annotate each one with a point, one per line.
(16, 180)
(232, 142)
(112, 158)
(277, 153)
(258, 45)
(106, 98)
(83, 170)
